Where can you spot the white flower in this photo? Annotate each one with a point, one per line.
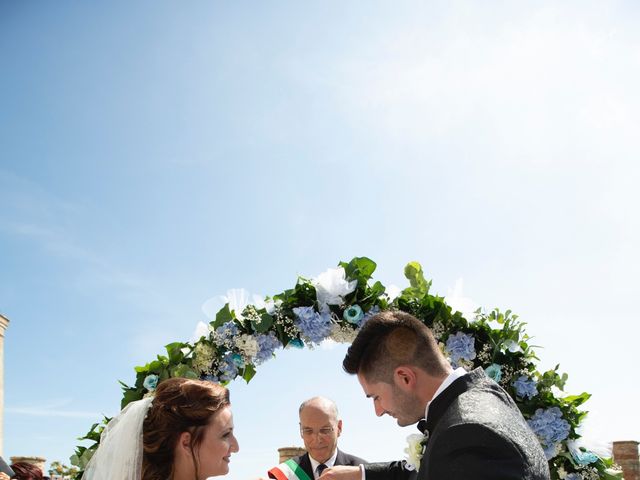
(248, 346)
(512, 346)
(202, 358)
(342, 334)
(332, 286)
(415, 450)
(270, 306)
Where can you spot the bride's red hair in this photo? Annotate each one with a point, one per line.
(180, 405)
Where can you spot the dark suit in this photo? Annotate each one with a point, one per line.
(341, 459)
(476, 432)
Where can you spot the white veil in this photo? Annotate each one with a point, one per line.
(119, 455)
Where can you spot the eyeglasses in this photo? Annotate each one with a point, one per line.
(310, 432)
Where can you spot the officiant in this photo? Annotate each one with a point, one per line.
(320, 427)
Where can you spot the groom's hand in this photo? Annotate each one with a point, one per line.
(341, 472)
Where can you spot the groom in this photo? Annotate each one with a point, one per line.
(473, 429)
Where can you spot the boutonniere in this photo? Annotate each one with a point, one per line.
(417, 443)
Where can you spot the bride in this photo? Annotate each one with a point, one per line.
(184, 432)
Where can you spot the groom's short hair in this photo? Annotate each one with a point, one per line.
(390, 339)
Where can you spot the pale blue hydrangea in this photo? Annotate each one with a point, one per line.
(494, 372)
(370, 313)
(267, 344)
(460, 347)
(228, 368)
(313, 325)
(573, 476)
(526, 387)
(225, 332)
(550, 428)
(150, 382)
(353, 314)
(551, 451)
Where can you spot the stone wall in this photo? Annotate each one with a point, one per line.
(625, 454)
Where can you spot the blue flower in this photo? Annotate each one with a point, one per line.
(313, 325)
(211, 378)
(494, 371)
(582, 457)
(296, 343)
(228, 368)
(226, 331)
(267, 344)
(237, 360)
(353, 314)
(525, 387)
(551, 451)
(372, 311)
(150, 382)
(573, 476)
(460, 347)
(550, 428)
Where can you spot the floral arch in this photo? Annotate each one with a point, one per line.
(335, 305)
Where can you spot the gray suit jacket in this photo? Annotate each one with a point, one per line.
(476, 432)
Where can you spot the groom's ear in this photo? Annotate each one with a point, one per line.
(404, 377)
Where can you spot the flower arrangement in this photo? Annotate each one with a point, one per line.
(416, 444)
(334, 306)
(60, 471)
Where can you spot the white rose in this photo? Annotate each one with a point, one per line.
(414, 451)
(332, 286)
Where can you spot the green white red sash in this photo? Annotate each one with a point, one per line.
(289, 470)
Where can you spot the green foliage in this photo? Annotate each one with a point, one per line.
(223, 316)
(499, 337)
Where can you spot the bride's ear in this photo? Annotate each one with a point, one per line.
(184, 444)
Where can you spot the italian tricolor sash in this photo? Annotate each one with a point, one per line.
(288, 470)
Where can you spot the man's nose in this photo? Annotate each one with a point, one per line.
(379, 410)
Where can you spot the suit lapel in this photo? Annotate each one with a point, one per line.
(305, 464)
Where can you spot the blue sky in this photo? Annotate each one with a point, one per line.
(154, 155)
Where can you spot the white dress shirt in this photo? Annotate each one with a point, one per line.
(328, 463)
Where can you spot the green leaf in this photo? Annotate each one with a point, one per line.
(223, 316)
(264, 324)
(175, 352)
(359, 268)
(419, 286)
(130, 395)
(577, 400)
(249, 372)
(184, 371)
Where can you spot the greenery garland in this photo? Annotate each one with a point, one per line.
(335, 305)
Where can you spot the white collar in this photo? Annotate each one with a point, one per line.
(453, 376)
(328, 463)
